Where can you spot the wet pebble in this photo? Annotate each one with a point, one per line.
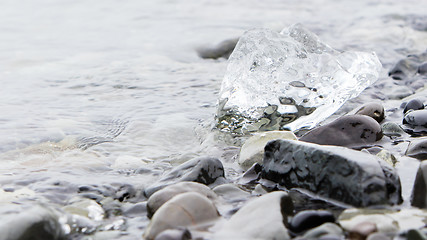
(414, 104)
(362, 230)
(162, 196)
(223, 49)
(174, 234)
(261, 218)
(378, 236)
(205, 170)
(308, 219)
(417, 149)
(348, 131)
(415, 122)
(404, 68)
(325, 231)
(252, 150)
(422, 69)
(373, 110)
(22, 222)
(415, 234)
(419, 191)
(188, 209)
(392, 129)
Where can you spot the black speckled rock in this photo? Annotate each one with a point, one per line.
(347, 131)
(414, 104)
(308, 219)
(415, 122)
(343, 174)
(205, 170)
(418, 149)
(373, 110)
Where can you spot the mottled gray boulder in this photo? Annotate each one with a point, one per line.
(185, 210)
(160, 197)
(205, 170)
(261, 218)
(20, 222)
(339, 173)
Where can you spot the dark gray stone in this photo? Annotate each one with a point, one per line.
(414, 104)
(339, 173)
(205, 170)
(308, 219)
(348, 131)
(405, 68)
(29, 223)
(174, 234)
(373, 110)
(415, 122)
(422, 69)
(419, 192)
(418, 149)
(222, 50)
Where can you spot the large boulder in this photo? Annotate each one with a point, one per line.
(261, 218)
(339, 173)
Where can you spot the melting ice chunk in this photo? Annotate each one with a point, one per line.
(289, 80)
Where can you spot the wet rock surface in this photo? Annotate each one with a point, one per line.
(222, 50)
(184, 210)
(252, 150)
(348, 131)
(262, 218)
(373, 110)
(327, 170)
(415, 122)
(162, 196)
(414, 104)
(308, 219)
(418, 149)
(203, 170)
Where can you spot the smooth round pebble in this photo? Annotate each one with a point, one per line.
(414, 104)
(188, 209)
(373, 110)
(417, 149)
(362, 230)
(378, 236)
(347, 131)
(174, 234)
(308, 219)
(162, 196)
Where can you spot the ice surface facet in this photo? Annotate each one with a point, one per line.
(289, 80)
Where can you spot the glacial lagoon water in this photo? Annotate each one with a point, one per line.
(112, 92)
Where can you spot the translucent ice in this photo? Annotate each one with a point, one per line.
(289, 80)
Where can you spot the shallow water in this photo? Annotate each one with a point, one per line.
(92, 91)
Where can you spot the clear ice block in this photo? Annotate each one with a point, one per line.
(289, 80)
